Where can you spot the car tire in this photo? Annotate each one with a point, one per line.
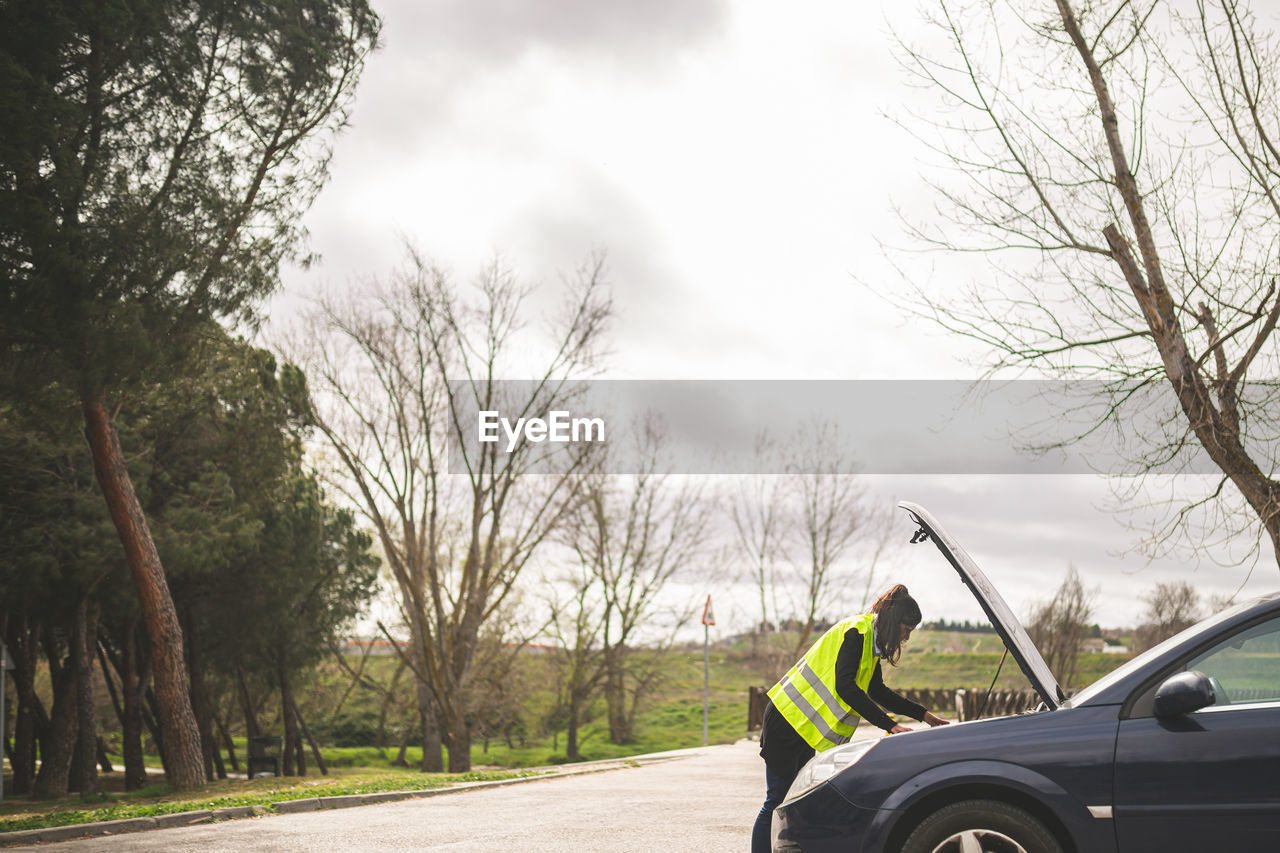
(989, 826)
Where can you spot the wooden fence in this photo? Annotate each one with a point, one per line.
(957, 703)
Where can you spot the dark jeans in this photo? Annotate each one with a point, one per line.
(777, 781)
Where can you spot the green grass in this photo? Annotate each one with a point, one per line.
(155, 800)
(976, 669)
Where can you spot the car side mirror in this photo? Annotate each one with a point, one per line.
(1183, 693)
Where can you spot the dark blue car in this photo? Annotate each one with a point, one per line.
(1177, 750)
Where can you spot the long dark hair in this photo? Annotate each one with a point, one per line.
(893, 610)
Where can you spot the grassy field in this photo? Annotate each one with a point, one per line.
(671, 719)
(976, 669)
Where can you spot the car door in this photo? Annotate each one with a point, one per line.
(1208, 780)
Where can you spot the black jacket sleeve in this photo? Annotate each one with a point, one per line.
(848, 661)
(893, 702)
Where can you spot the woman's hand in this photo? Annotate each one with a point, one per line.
(898, 729)
(933, 720)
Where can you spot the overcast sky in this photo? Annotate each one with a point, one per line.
(735, 163)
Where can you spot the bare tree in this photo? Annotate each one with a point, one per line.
(576, 607)
(632, 535)
(1171, 607)
(756, 511)
(457, 518)
(1059, 626)
(827, 515)
(1118, 163)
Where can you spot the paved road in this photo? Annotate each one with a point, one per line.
(703, 801)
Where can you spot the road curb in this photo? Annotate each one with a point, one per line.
(87, 830)
(142, 824)
(234, 812)
(290, 806)
(183, 818)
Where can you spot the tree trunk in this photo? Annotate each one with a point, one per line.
(400, 759)
(149, 717)
(251, 727)
(387, 699)
(291, 741)
(457, 734)
(104, 759)
(615, 697)
(183, 764)
(300, 753)
(23, 761)
(131, 690)
(200, 697)
(84, 639)
(57, 747)
(429, 724)
(306, 733)
(228, 743)
(418, 659)
(459, 743)
(107, 669)
(31, 719)
(571, 738)
(219, 770)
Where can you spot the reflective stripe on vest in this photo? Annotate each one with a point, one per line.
(806, 696)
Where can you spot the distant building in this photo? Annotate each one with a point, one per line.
(361, 646)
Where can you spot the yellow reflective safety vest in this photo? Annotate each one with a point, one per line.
(806, 696)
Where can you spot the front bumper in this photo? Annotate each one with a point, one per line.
(822, 821)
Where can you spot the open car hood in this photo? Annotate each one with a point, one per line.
(1010, 629)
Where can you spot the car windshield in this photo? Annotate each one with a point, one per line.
(1141, 660)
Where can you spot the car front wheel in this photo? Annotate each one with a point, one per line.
(981, 826)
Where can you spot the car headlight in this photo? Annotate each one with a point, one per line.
(826, 764)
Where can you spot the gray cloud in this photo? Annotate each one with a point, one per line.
(434, 54)
(498, 30)
(588, 212)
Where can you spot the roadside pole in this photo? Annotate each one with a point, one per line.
(708, 619)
